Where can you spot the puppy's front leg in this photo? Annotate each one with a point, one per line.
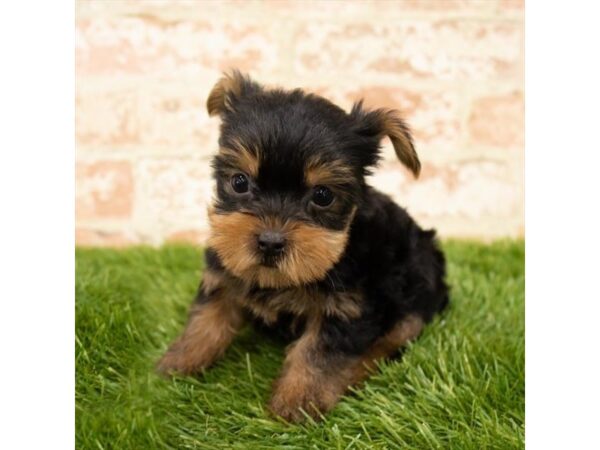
(213, 322)
(312, 379)
(316, 374)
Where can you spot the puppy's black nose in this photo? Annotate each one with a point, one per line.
(271, 243)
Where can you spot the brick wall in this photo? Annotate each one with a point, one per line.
(144, 69)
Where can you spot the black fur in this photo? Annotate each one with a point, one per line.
(396, 263)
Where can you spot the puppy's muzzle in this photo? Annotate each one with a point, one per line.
(271, 244)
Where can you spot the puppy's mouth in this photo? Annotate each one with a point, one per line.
(269, 261)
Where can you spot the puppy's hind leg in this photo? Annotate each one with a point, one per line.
(315, 375)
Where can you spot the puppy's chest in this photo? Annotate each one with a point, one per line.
(302, 302)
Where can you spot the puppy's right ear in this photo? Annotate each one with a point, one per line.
(228, 91)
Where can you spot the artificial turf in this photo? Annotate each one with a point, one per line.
(460, 386)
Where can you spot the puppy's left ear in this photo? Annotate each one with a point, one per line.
(387, 122)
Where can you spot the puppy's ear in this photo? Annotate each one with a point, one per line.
(387, 122)
(228, 90)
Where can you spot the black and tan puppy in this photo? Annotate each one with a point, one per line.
(301, 244)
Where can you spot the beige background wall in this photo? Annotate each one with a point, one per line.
(144, 69)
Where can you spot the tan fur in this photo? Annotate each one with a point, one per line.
(311, 250)
(211, 281)
(394, 127)
(233, 237)
(405, 331)
(210, 329)
(312, 382)
(306, 303)
(246, 159)
(402, 333)
(328, 173)
(302, 384)
(219, 98)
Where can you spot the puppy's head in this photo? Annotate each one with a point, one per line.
(290, 174)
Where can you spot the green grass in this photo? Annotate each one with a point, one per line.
(460, 386)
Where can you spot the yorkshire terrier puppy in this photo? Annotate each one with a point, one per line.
(301, 245)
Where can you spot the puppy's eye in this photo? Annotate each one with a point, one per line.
(322, 196)
(239, 183)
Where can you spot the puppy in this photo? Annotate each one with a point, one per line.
(301, 245)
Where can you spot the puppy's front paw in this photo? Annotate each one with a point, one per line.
(182, 361)
(290, 397)
(290, 409)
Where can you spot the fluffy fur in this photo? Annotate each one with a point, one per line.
(349, 283)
